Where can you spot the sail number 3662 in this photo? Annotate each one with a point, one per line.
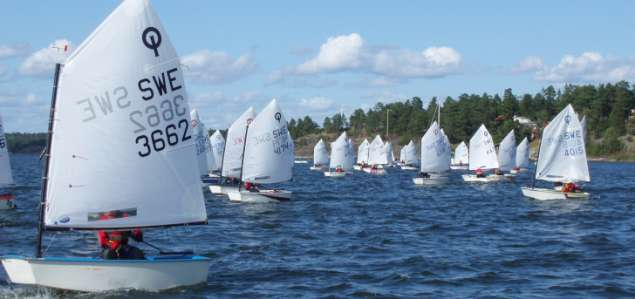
(159, 139)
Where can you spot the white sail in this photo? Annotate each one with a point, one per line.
(363, 152)
(320, 153)
(482, 153)
(233, 157)
(340, 153)
(122, 137)
(269, 148)
(562, 155)
(199, 133)
(435, 154)
(507, 152)
(377, 152)
(522, 154)
(218, 148)
(410, 154)
(390, 156)
(351, 154)
(461, 154)
(6, 178)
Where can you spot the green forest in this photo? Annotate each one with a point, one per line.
(607, 107)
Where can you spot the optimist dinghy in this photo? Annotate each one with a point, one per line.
(522, 157)
(217, 143)
(461, 157)
(408, 155)
(507, 154)
(482, 155)
(561, 158)
(377, 157)
(268, 157)
(435, 157)
(341, 157)
(96, 163)
(362, 155)
(206, 161)
(320, 156)
(232, 159)
(6, 176)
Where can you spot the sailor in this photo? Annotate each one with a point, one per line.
(251, 187)
(114, 244)
(498, 172)
(424, 175)
(339, 169)
(570, 187)
(479, 173)
(8, 198)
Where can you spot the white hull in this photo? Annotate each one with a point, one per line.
(7, 205)
(317, 168)
(407, 167)
(458, 167)
(335, 174)
(432, 180)
(97, 275)
(472, 178)
(550, 194)
(222, 189)
(300, 161)
(357, 167)
(376, 171)
(261, 196)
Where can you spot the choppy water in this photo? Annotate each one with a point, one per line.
(366, 236)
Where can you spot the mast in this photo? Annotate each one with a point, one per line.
(45, 168)
(242, 158)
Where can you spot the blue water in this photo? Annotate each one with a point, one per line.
(383, 237)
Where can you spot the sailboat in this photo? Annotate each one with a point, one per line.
(268, 157)
(507, 153)
(362, 155)
(561, 158)
(435, 157)
(341, 161)
(522, 157)
(461, 157)
(6, 176)
(408, 156)
(233, 154)
(320, 156)
(206, 161)
(108, 152)
(217, 143)
(377, 157)
(390, 155)
(482, 157)
(350, 158)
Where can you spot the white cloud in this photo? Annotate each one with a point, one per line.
(316, 103)
(13, 50)
(529, 64)
(41, 62)
(14, 99)
(587, 67)
(350, 53)
(217, 67)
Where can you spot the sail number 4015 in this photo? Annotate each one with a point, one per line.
(159, 139)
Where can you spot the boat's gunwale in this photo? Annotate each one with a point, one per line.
(148, 259)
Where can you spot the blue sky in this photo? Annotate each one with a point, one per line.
(322, 56)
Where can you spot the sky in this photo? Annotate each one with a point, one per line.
(322, 57)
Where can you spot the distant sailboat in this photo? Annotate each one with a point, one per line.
(6, 176)
(507, 153)
(390, 155)
(320, 156)
(341, 161)
(408, 157)
(377, 157)
(461, 157)
(362, 155)
(217, 143)
(206, 161)
(482, 157)
(120, 143)
(561, 158)
(435, 157)
(233, 154)
(268, 157)
(522, 156)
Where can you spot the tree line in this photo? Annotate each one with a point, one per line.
(607, 107)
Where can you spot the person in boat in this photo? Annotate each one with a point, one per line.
(570, 187)
(339, 169)
(251, 187)
(424, 175)
(114, 244)
(479, 173)
(9, 200)
(498, 172)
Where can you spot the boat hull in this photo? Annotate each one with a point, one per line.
(458, 167)
(334, 174)
(472, 178)
(408, 167)
(551, 194)
(376, 171)
(357, 167)
(98, 275)
(432, 180)
(317, 168)
(222, 189)
(7, 204)
(261, 196)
